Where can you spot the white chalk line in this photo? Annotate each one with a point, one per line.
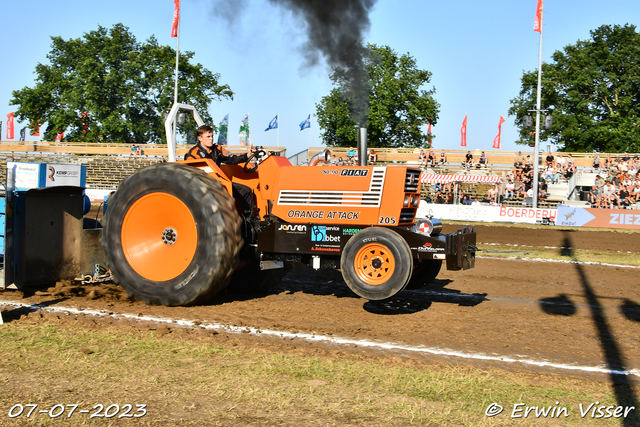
(327, 339)
(598, 264)
(542, 247)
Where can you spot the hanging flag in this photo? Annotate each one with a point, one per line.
(273, 124)
(243, 134)
(537, 23)
(23, 134)
(35, 126)
(0, 129)
(10, 134)
(429, 134)
(496, 140)
(176, 19)
(306, 123)
(463, 132)
(223, 127)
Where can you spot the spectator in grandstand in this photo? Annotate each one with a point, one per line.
(493, 193)
(550, 173)
(351, 152)
(623, 166)
(431, 158)
(570, 170)
(592, 197)
(624, 197)
(528, 164)
(608, 162)
(625, 157)
(422, 158)
(518, 188)
(599, 184)
(608, 195)
(595, 166)
(373, 157)
(443, 157)
(439, 198)
(550, 159)
(465, 200)
(449, 200)
(519, 161)
(636, 192)
(561, 163)
(163, 160)
(133, 152)
(340, 162)
(542, 190)
(476, 202)
(468, 160)
(617, 180)
(570, 160)
(508, 189)
(484, 161)
(634, 168)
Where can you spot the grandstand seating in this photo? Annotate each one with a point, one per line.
(108, 164)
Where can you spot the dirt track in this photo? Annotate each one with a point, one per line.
(563, 313)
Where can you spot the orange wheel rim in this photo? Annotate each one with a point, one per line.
(374, 264)
(159, 236)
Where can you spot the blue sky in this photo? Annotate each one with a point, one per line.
(476, 50)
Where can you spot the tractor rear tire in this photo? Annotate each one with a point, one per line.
(424, 272)
(171, 235)
(376, 263)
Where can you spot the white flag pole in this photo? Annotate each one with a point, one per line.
(175, 90)
(536, 154)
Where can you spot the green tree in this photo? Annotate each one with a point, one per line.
(387, 98)
(592, 90)
(106, 86)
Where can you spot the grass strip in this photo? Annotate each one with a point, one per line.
(194, 378)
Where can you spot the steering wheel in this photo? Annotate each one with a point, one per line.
(255, 156)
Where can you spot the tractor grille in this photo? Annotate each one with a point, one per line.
(343, 198)
(407, 215)
(412, 181)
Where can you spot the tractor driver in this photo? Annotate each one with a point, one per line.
(206, 149)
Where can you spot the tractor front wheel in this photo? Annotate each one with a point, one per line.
(376, 263)
(171, 235)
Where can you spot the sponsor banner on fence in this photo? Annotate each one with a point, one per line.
(58, 175)
(27, 175)
(485, 213)
(605, 218)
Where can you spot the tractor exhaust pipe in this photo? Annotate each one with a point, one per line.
(362, 147)
(323, 156)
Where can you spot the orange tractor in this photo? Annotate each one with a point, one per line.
(174, 235)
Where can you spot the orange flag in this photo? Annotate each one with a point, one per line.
(537, 24)
(496, 140)
(463, 132)
(176, 19)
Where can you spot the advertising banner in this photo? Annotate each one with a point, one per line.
(27, 175)
(65, 175)
(483, 213)
(605, 218)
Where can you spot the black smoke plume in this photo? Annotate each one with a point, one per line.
(335, 31)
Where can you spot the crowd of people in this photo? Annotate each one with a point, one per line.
(617, 185)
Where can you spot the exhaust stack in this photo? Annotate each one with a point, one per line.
(362, 147)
